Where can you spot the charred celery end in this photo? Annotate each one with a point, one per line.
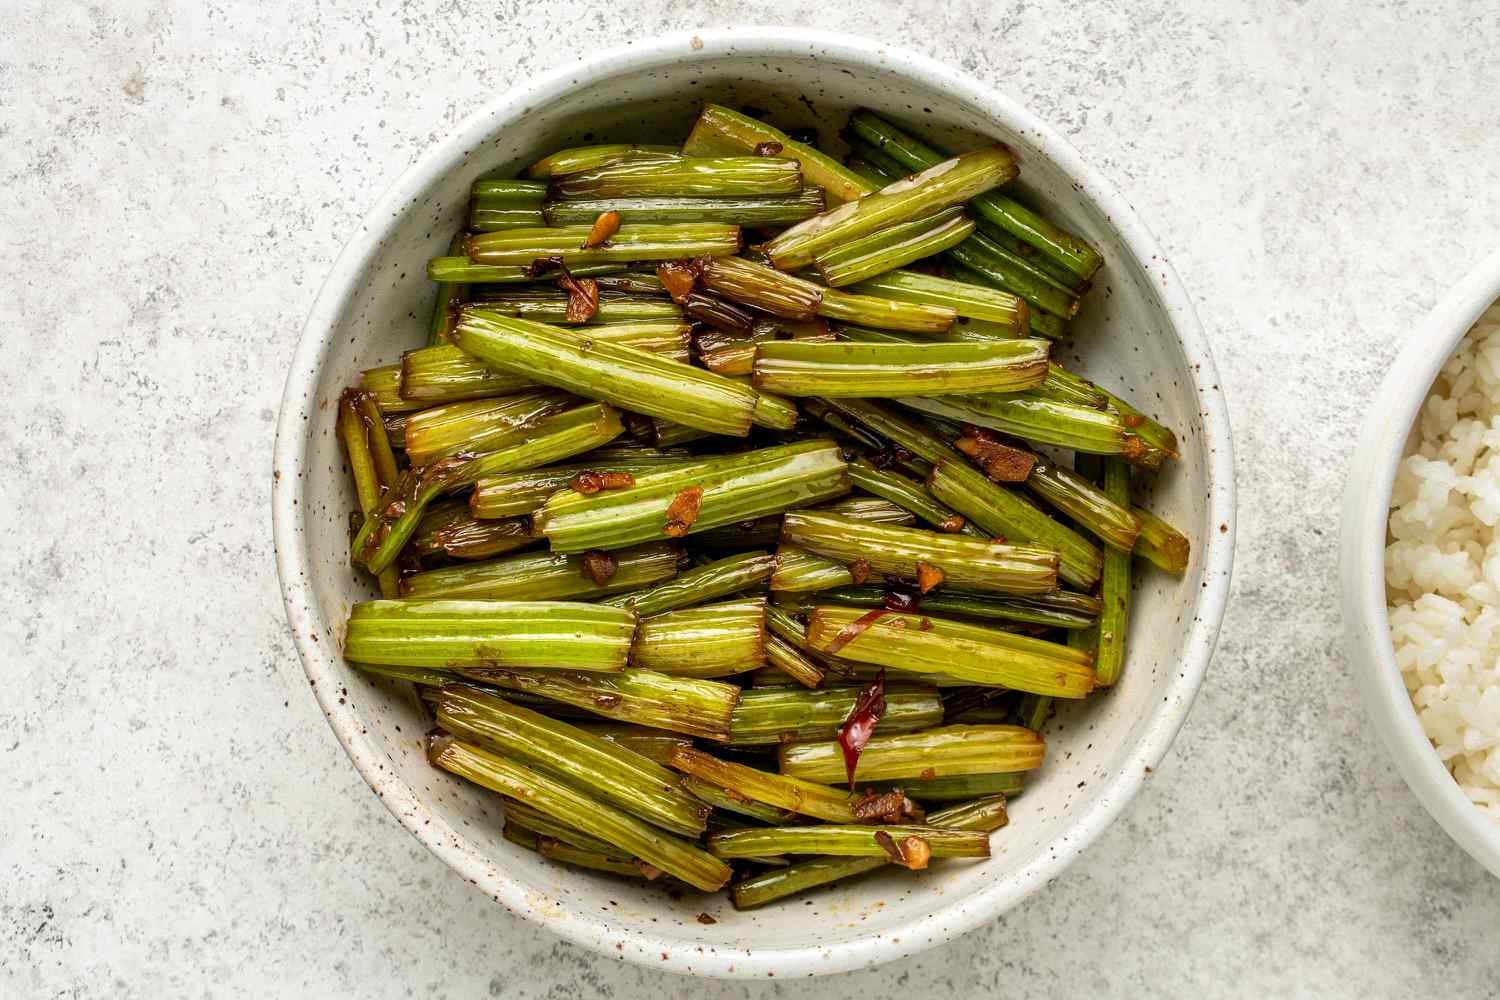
(1161, 544)
(577, 159)
(800, 368)
(1043, 421)
(1069, 251)
(720, 131)
(632, 379)
(984, 815)
(995, 263)
(970, 653)
(772, 716)
(1152, 433)
(462, 270)
(713, 640)
(898, 427)
(554, 635)
(546, 576)
(792, 794)
(799, 571)
(1063, 609)
(761, 287)
(451, 530)
(918, 554)
(588, 762)
(384, 383)
(1004, 309)
(960, 788)
(671, 854)
(950, 183)
(733, 354)
(515, 494)
(1006, 514)
(478, 425)
(445, 304)
(630, 244)
(687, 705)
(685, 176)
(792, 662)
(1092, 509)
(716, 579)
(731, 801)
(846, 841)
(934, 753)
(442, 374)
(894, 246)
(653, 744)
(909, 495)
(885, 313)
(763, 210)
(714, 492)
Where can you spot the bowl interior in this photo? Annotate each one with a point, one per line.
(1125, 340)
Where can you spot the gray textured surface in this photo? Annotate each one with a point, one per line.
(175, 817)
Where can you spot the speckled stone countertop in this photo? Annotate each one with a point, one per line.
(175, 816)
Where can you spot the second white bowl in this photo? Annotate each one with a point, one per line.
(1367, 631)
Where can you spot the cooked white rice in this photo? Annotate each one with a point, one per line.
(1442, 567)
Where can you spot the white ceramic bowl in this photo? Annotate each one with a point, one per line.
(1139, 336)
(1367, 635)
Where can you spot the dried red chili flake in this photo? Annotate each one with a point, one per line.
(605, 226)
(859, 570)
(683, 511)
(1000, 462)
(599, 566)
(583, 297)
(859, 726)
(910, 852)
(768, 149)
(953, 524)
(588, 482)
(928, 576)
(1133, 420)
(927, 774)
(901, 599)
(543, 265)
(678, 277)
(854, 630)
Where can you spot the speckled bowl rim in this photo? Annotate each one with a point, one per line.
(1367, 493)
(950, 919)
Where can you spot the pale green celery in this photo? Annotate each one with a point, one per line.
(553, 635)
(543, 576)
(919, 643)
(934, 753)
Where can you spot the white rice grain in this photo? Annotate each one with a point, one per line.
(1442, 565)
